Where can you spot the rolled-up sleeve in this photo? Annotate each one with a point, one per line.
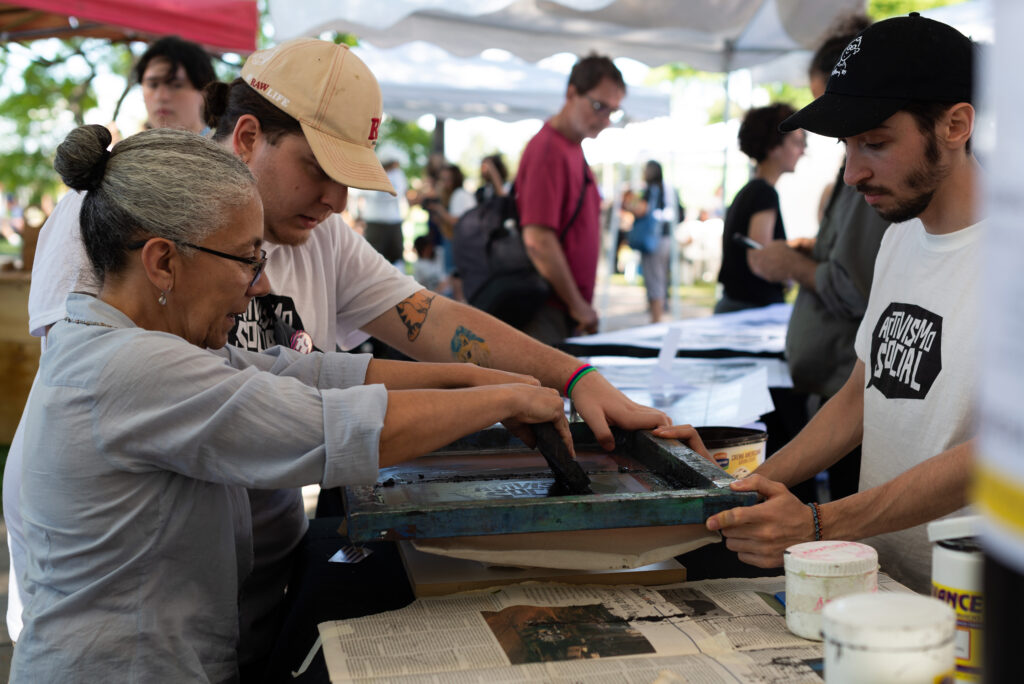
(261, 420)
(353, 420)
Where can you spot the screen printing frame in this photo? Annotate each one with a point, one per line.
(673, 485)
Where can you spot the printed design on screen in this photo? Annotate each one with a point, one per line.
(268, 321)
(906, 352)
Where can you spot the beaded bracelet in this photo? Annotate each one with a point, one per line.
(575, 377)
(816, 513)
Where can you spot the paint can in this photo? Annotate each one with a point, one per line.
(738, 451)
(957, 564)
(888, 638)
(819, 572)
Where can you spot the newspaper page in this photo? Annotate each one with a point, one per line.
(731, 630)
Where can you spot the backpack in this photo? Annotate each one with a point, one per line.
(490, 257)
(645, 234)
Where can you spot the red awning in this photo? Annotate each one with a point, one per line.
(218, 25)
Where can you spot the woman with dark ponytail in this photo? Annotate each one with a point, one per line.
(754, 217)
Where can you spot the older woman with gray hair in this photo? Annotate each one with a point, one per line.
(143, 431)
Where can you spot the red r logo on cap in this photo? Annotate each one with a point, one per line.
(374, 125)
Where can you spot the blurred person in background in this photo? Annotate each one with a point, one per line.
(493, 179)
(658, 203)
(428, 270)
(559, 202)
(451, 202)
(754, 213)
(383, 214)
(12, 219)
(173, 73)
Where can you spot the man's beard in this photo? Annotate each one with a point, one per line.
(924, 180)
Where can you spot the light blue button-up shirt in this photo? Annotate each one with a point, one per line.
(138, 447)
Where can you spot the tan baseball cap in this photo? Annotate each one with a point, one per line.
(336, 99)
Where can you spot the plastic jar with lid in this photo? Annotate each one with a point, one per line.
(818, 572)
(957, 562)
(888, 638)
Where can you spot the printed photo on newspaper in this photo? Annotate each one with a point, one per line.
(728, 630)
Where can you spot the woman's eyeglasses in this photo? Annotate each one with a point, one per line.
(256, 264)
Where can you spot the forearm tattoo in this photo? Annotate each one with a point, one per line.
(467, 347)
(412, 311)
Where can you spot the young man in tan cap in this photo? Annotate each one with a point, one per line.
(900, 99)
(305, 117)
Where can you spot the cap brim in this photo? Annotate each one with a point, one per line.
(348, 163)
(842, 116)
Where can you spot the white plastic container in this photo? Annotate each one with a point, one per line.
(818, 572)
(888, 638)
(957, 562)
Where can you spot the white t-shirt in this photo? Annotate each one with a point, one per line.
(329, 286)
(61, 265)
(429, 273)
(334, 283)
(918, 342)
(381, 207)
(460, 202)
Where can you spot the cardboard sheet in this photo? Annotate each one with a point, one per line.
(608, 549)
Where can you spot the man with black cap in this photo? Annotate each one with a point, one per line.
(900, 99)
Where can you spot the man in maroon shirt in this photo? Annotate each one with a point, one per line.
(559, 205)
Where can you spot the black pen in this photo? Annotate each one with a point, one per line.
(743, 239)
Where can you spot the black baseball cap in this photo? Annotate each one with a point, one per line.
(884, 68)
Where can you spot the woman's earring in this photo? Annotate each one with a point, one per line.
(162, 299)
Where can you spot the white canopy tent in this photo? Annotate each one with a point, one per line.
(711, 35)
(421, 78)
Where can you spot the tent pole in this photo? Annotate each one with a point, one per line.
(725, 120)
(437, 144)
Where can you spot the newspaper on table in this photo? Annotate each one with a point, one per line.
(726, 630)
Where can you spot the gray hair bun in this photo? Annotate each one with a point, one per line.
(82, 158)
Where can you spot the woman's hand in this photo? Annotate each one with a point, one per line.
(537, 405)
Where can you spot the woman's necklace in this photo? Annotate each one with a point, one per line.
(81, 322)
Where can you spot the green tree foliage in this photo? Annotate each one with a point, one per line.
(412, 139)
(883, 9)
(47, 90)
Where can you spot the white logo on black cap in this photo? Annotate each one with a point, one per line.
(853, 48)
